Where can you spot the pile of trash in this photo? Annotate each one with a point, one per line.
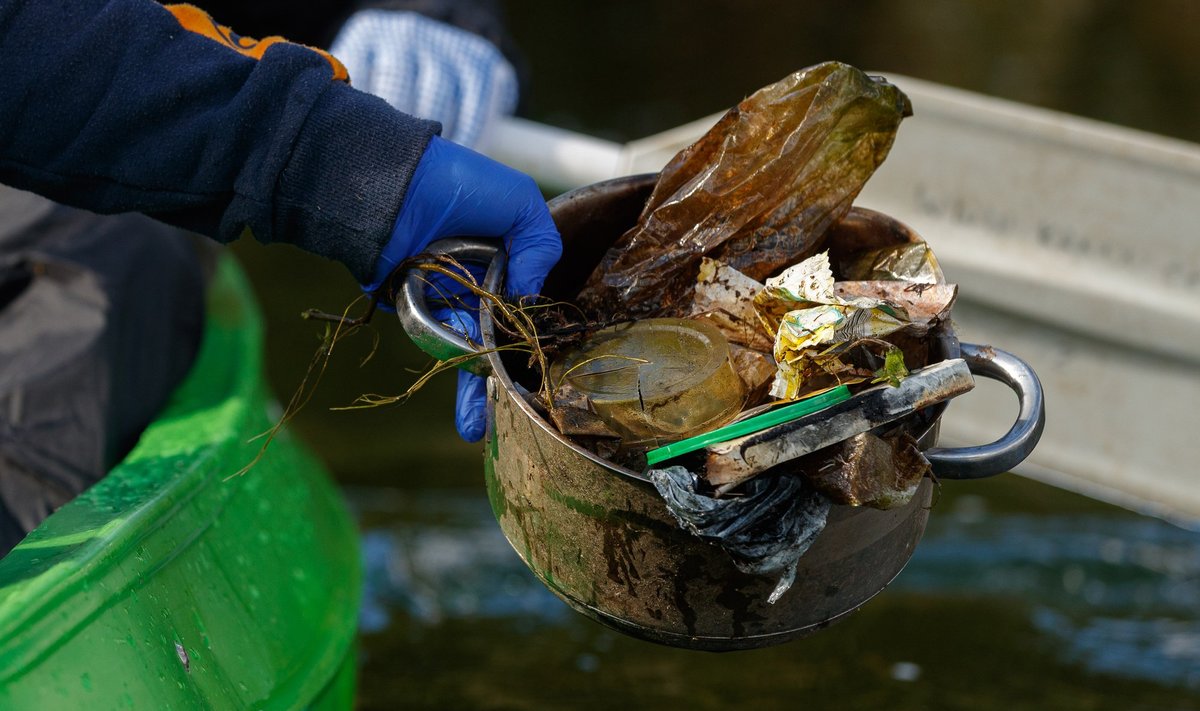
(729, 300)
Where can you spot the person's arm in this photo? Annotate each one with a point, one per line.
(124, 105)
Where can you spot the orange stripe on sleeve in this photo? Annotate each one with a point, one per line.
(193, 19)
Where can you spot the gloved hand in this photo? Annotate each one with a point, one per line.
(428, 69)
(456, 192)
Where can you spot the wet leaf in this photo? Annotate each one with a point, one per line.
(893, 370)
(725, 297)
(879, 472)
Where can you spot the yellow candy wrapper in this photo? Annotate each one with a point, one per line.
(824, 318)
(802, 343)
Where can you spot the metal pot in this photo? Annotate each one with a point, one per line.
(599, 535)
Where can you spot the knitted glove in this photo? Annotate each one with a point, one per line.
(428, 69)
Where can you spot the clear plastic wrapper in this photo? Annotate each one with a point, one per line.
(758, 191)
(765, 531)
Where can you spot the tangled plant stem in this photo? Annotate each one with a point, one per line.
(516, 321)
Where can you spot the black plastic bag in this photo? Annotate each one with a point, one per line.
(765, 531)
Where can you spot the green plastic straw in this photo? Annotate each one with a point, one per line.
(750, 425)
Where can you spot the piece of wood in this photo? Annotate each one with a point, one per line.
(733, 462)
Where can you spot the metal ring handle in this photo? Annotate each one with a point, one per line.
(431, 335)
(1011, 449)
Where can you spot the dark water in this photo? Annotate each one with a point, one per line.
(1020, 596)
(1059, 605)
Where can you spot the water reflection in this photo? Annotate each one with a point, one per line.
(1103, 605)
(1121, 594)
(440, 555)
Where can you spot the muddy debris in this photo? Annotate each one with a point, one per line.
(737, 235)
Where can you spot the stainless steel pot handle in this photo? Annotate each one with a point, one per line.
(1011, 449)
(431, 335)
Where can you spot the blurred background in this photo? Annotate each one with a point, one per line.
(1019, 595)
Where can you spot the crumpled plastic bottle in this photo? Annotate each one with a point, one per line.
(757, 192)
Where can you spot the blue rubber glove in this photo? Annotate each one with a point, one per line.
(456, 192)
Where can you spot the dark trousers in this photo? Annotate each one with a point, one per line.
(100, 319)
